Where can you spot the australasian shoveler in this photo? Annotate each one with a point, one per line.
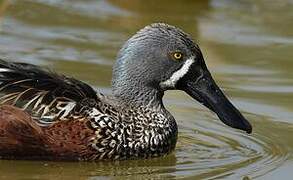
(44, 115)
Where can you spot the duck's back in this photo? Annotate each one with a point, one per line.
(45, 95)
(44, 115)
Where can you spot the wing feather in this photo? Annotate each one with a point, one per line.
(47, 96)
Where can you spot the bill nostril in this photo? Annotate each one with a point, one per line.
(213, 87)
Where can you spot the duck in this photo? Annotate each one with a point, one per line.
(48, 116)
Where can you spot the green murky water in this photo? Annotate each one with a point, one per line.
(248, 46)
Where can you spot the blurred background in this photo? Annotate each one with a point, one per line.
(248, 47)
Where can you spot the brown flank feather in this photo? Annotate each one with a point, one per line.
(22, 138)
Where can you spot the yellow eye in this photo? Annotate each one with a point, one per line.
(177, 55)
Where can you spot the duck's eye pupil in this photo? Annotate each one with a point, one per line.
(177, 56)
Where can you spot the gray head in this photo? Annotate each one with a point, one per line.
(161, 57)
(153, 54)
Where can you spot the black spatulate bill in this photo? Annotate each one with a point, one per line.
(199, 84)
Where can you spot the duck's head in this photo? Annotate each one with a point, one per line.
(161, 57)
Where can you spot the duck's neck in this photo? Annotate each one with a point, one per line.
(138, 95)
(158, 137)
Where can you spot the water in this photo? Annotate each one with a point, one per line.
(247, 46)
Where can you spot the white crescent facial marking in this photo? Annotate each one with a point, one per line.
(171, 82)
(4, 70)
